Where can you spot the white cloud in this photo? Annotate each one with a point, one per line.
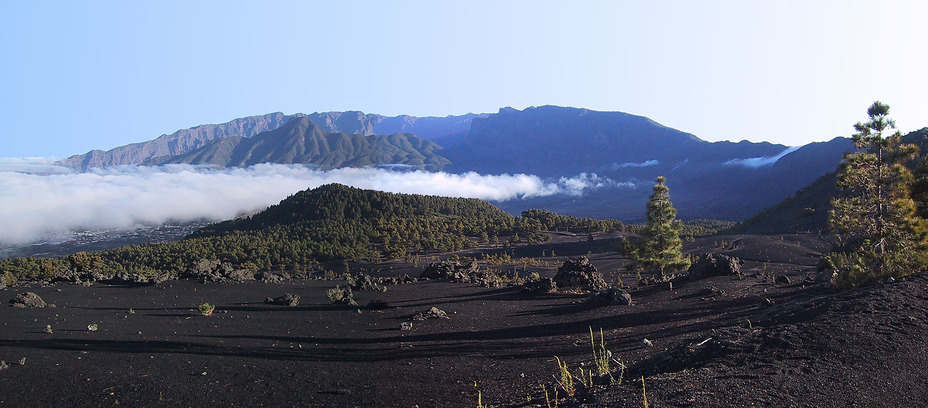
(36, 205)
(32, 165)
(757, 162)
(648, 163)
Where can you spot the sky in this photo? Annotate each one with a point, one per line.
(76, 76)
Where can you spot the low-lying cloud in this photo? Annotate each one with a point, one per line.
(46, 201)
(758, 162)
(647, 163)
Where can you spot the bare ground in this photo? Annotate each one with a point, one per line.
(759, 344)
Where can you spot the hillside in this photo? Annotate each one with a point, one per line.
(302, 141)
(331, 222)
(722, 180)
(179, 142)
(807, 209)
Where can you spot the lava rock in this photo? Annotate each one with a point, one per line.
(272, 277)
(543, 285)
(715, 265)
(432, 313)
(28, 299)
(580, 273)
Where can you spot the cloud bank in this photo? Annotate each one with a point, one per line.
(758, 162)
(648, 163)
(46, 201)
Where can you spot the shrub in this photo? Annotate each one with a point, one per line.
(341, 294)
(206, 309)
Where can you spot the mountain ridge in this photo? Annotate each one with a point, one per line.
(302, 141)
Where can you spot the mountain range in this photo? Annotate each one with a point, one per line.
(722, 180)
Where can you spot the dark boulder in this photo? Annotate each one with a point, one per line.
(580, 273)
(715, 265)
(543, 285)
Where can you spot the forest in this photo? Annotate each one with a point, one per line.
(331, 222)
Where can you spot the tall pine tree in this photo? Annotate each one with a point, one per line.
(875, 218)
(660, 249)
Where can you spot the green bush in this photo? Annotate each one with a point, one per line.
(206, 309)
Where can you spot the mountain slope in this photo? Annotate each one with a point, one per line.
(302, 141)
(179, 142)
(807, 209)
(186, 140)
(722, 180)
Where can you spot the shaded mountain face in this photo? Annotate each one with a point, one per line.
(807, 209)
(302, 141)
(722, 180)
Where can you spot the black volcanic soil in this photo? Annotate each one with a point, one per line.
(759, 344)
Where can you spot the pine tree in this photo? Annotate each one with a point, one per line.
(660, 249)
(875, 217)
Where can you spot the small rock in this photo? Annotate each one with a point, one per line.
(22, 361)
(647, 343)
(406, 326)
(48, 329)
(92, 327)
(781, 279)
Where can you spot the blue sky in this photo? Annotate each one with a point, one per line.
(75, 76)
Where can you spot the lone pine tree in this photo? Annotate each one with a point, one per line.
(875, 218)
(660, 249)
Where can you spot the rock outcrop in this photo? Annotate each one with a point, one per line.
(580, 273)
(715, 265)
(28, 299)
